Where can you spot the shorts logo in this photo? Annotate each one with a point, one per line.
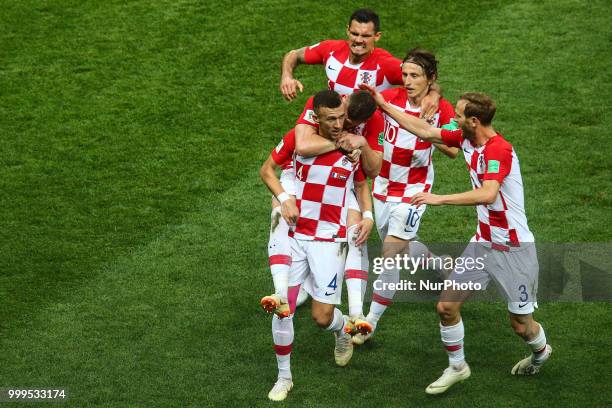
(381, 138)
(522, 305)
(493, 166)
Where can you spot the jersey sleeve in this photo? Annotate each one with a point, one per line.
(447, 112)
(498, 161)
(306, 118)
(283, 152)
(392, 69)
(375, 130)
(319, 53)
(452, 138)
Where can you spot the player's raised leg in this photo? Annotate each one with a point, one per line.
(451, 333)
(384, 286)
(356, 273)
(533, 334)
(279, 257)
(441, 264)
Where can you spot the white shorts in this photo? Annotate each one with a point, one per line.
(515, 273)
(401, 220)
(320, 267)
(287, 180)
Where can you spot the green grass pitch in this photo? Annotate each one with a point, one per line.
(134, 223)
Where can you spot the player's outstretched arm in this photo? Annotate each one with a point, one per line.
(288, 84)
(412, 124)
(309, 143)
(289, 209)
(364, 199)
(481, 196)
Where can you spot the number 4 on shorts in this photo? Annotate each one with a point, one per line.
(332, 285)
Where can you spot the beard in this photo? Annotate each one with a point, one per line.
(468, 133)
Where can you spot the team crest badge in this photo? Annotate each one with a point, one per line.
(366, 77)
(345, 161)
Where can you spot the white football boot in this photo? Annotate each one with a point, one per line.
(449, 377)
(362, 326)
(281, 389)
(528, 366)
(344, 347)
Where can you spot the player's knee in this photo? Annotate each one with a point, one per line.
(447, 311)
(522, 327)
(519, 328)
(323, 320)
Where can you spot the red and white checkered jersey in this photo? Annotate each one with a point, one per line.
(380, 69)
(407, 168)
(282, 154)
(503, 223)
(372, 129)
(322, 184)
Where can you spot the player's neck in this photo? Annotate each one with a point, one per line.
(416, 101)
(358, 59)
(483, 135)
(324, 136)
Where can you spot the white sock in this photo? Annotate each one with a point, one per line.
(337, 324)
(381, 299)
(538, 345)
(279, 253)
(356, 272)
(282, 333)
(452, 337)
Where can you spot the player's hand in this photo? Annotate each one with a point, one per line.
(350, 142)
(364, 228)
(289, 87)
(375, 94)
(429, 105)
(426, 198)
(289, 211)
(354, 156)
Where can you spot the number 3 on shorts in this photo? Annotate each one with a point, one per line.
(524, 294)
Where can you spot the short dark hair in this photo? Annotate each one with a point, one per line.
(361, 105)
(365, 15)
(326, 99)
(424, 59)
(480, 106)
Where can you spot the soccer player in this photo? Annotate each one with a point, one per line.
(407, 169)
(318, 241)
(284, 214)
(503, 241)
(362, 119)
(364, 128)
(351, 62)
